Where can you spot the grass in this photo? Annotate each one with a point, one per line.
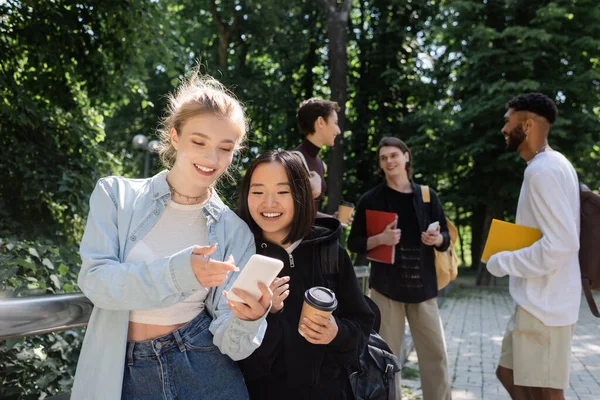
(408, 394)
(410, 373)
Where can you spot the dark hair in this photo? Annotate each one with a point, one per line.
(310, 110)
(304, 206)
(395, 142)
(536, 103)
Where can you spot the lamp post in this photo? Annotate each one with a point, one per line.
(140, 142)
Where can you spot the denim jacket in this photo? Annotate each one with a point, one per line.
(122, 211)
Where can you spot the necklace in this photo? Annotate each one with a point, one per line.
(189, 199)
(541, 149)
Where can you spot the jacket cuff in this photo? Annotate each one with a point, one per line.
(182, 275)
(358, 245)
(363, 245)
(251, 326)
(446, 242)
(341, 340)
(275, 316)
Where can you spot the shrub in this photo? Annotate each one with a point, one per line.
(38, 366)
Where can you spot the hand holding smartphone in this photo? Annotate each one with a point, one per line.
(258, 269)
(433, 226)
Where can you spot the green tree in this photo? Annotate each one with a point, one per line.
(62, 68)
(387, 86)
(492, 51)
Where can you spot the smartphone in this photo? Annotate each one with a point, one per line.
(433, 226)
(258, 269)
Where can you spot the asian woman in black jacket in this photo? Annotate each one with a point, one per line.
(307, 359)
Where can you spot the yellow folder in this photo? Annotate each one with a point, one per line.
(505, 236)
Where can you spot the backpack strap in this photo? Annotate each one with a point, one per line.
(299, 154)
(425, 194)
(329, 260)
(388, 376)
(590, 298)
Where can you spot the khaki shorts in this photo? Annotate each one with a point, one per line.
(539, 355)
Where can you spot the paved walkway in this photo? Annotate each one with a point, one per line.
(474, 323)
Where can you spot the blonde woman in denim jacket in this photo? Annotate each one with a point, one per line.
(159, 255)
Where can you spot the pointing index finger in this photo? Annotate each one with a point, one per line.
(215, 266)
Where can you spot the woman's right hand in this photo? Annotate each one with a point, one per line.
(210, 272)
(281, 290)
(390, 235)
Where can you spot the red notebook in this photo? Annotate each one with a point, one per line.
(376, 223)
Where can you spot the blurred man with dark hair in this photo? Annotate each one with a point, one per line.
(545, 280)
(318, 124)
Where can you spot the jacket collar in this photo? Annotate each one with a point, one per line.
(160, 189)
(415, 187)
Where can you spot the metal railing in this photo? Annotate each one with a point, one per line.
(362, 273)
(29, 316)
(37, 315)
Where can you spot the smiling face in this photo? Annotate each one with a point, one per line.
(329, 129)
(270, 201)
(326, 130)
(205, 149)
(393, 161)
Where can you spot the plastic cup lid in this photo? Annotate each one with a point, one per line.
(321, 298)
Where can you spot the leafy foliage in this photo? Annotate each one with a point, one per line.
(42, 364)
(63, 66)
(492, 53)
(79, 79)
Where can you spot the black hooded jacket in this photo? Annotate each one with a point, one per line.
(288, 366)
(385, 278)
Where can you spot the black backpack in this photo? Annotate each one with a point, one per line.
(377, 365)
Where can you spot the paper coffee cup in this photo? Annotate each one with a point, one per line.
(317, 300)
(345, 211)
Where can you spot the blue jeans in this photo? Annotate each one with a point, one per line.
(184, 364)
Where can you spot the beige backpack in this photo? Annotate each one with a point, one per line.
(446, 262)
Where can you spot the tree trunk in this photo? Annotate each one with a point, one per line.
(337, 21)
(459, 225)
(484, 278)
(243, 45)
(363, 160)
(308, 81)
(226, 33)
(223, 45)
(310, 60)
(477, 221)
